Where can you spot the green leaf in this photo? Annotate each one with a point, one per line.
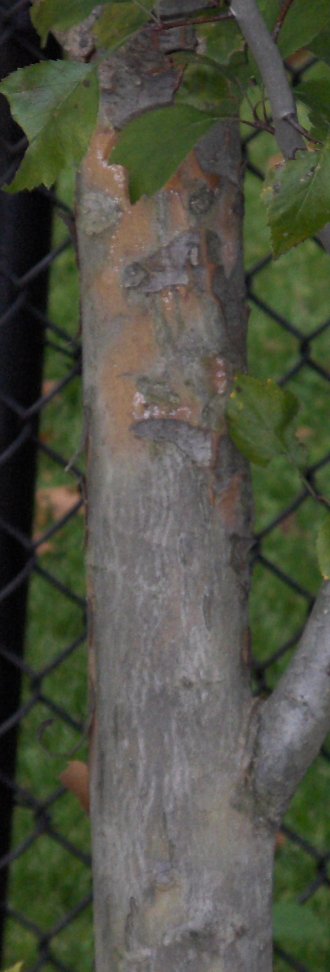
(221, 40)
(242, 71)
(55, 102)
(297, 196)
(15, 968)
(323, 547)
(153, 146)
(303, 22)
(315, 94)
(47, 15)
(296, 924)
(207, 89)
(260, 416)
(270, 10)
(320, 45)
(205, 81)
(118, 22)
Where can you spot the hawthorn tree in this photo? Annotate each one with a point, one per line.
(190, 774)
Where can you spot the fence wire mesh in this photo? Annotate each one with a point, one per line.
(289, 330)
(46, 903)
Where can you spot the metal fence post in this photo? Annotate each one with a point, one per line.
(25, 227)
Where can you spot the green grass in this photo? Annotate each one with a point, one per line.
(287, 285)
(297, 287)
(46, 883)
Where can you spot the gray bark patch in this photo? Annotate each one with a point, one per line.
(168, 267)
(192, 442)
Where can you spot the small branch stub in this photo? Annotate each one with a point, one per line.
(296, 718)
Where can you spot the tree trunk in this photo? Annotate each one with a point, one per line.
(182, 843)
(182, 871)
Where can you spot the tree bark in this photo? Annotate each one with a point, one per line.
(182, 871)
(183, 836)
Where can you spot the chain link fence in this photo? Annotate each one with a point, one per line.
(289, 326)
(45, 880)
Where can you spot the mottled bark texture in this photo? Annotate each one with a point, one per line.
(182, 843)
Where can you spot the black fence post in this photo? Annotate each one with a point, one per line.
(25, 228)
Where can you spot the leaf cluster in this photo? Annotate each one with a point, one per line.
(261, 418)
(57, 105)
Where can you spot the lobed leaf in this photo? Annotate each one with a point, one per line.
(260, 416)
(55, 103)
(153, 146)
(323, 547)
(297, 196)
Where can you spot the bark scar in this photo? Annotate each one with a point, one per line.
(167, 267)
(195, 443)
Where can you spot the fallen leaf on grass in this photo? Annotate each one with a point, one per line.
(54, 502)
(48, 386)
(43, 548)
(304, 433)
(76, 779)
(289, 524)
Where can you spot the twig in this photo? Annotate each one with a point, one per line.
(304, 131)
(273, 74)
(258, 125)
(170, 25)
(281, 18)
(150, 13)
(288, 132)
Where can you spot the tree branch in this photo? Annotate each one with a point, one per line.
(273, 74)
(281, 18)
(296, 718)
(272, 70)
